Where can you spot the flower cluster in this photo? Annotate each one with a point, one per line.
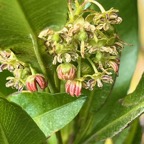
(87, 50)
(21, 73)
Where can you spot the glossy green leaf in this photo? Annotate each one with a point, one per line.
(21, 22)
(120, 138)
(124, 111)
(135, 133)
(112, 117)
(131, 135)
(16, 126)
(51, 112)
(135, 97)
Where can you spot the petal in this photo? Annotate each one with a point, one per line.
(72, 89)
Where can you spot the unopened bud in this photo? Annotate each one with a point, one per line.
(82, 36)
(34, 81)
(66, 71)
(40, 80)
(56, 37)
(98, 56)
(73, 87)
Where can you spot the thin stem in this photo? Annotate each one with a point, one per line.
(99, 83)
(50, 86)
(82, 48)
(79, 68)
(86, 119)
(56, 80)
(69, 6)
(84, 3)
(96, 3)
(59, 137)
(70, 9)
(92, 64)
(40, 62)
(32, 70)
(62, 86)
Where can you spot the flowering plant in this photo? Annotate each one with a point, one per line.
(69, 64)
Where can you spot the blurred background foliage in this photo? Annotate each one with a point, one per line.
(135, 133)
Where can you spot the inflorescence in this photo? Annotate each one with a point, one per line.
(86, 51)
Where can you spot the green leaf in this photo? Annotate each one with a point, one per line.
(135, 133)
(112, 117)
(120, 138)
(135, 97)
(51, 112)
(131, 135)
(21, 22)
(16, 127)
(122, 113)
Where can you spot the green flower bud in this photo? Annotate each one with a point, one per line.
(59, 48)
(98, 56)
(56, 37)
(82, 36)
(111, 30)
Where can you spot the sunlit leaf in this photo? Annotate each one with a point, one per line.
(51, 112)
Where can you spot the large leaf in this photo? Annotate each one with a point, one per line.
(51, 112)
(122, 114)
(135, 134)
(112, 117)
(21, 22)
(16, 126)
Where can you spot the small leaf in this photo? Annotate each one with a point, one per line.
(16, 127)
(51, 112)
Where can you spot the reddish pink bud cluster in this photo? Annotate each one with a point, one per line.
(73, 87)
(34, 81)
(66, 71)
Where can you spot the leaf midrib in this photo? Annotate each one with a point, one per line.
(32, 36)
(119, 119)
(5, 140)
